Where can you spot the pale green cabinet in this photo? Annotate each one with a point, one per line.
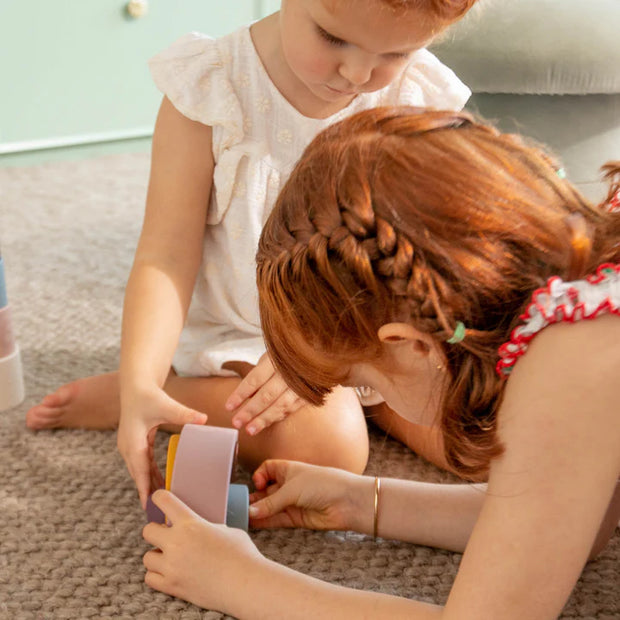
(74, 72)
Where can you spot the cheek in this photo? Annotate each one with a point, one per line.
(312, 65)
(385, 74)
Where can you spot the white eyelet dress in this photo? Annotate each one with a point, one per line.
(257, 138)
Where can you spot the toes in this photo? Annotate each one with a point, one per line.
(48, 413)
(41, 416)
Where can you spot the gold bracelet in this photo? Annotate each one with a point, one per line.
(375, 522)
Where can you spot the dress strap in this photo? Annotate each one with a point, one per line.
(562, 301)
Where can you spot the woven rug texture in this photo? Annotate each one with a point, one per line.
(71, 522)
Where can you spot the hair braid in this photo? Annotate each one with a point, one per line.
(426, 218)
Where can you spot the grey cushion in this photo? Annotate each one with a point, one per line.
(552, 47)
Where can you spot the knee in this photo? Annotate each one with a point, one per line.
(334, 435)
(341, 438)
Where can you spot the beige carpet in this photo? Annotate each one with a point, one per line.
(70, 525)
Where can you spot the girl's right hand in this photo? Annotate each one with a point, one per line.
(293, 494)
(141, 415)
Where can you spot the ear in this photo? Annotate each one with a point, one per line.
(400, 333)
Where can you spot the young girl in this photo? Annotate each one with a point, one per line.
(236, 115)
(455, 272)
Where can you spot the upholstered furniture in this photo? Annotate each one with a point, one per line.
(547, 69)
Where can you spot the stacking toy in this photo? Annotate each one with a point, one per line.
(199, 467)
(11, 374)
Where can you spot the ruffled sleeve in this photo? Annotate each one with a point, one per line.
(427, 82)
(193, 75)
(562, 301)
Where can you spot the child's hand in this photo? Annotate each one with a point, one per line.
(292, 494)
(262, 398)
(197, 561)
(138, 424)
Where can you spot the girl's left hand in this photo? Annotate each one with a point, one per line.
(195, 560)
(262, 398)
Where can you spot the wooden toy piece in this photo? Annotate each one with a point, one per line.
(11, 374)
(198, 471)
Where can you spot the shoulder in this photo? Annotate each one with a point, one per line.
(564, 392)
(549, 491)
(194, 73)
(572, 355)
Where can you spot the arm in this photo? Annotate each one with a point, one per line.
(219, 568)
(546, 498)
(548, 494)
(161, 283)
(321, 498)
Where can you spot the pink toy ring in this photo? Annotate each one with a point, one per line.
(201, 471)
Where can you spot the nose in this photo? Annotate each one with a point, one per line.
(356, 68)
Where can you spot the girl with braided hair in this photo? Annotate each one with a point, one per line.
(455, 272)
(236, 115)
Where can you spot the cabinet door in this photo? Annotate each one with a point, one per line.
(75, 72)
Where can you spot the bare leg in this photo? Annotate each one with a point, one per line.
(334, 435)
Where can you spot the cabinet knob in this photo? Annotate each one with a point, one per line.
(137, 8)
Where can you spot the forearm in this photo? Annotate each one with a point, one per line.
(436, 515)
(271, 591)
(153, 315)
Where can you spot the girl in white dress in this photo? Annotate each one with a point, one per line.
(237, 113)
(454, 271)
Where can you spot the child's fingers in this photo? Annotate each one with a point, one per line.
(257, 495)
(275, 492)
(287, 403)
(156, 535)
(172, 506)
(275, 501)
(272, 470)
(143, 484)
(153, 559)
(252, 382)
(266, 396)
(184, 415)
(140, 469)
(282, 519)
(156, 581)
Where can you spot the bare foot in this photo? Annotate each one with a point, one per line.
(91, 403)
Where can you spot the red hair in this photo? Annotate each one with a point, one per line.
(427, 218)
(445, 10)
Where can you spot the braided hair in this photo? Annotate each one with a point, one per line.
(394, 215)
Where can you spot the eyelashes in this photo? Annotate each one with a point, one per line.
(336, 42)
(330, 38)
